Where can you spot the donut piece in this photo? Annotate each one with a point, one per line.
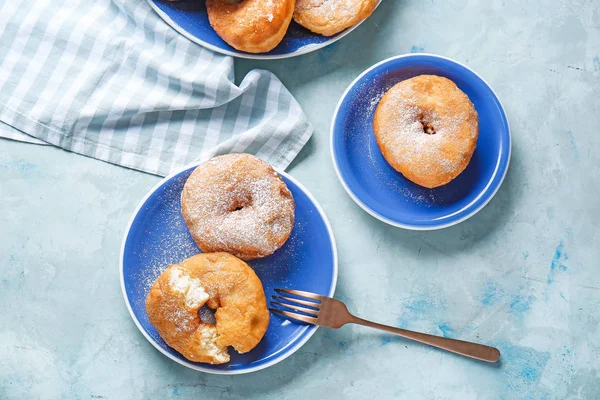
(328, 17)
(253, 26)
(238, 204)
(426, 129)
(225, 284)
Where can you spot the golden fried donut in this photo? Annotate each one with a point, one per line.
(225, 284)
(328, 17)
(427, 129)
(253, 26)
(238, 204)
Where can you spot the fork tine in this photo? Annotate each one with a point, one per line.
(298, 301)
(300, 293)
(303, 318)
(297, 308)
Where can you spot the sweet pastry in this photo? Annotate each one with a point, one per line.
(426, 129)
(238, 204)
(328, 17)
(225, 284)
(253, 26)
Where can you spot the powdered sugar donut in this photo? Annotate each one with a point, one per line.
(328, 17)
(254, 26)
(238, 204)
(426, 129)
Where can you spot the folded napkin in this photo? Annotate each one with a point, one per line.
(110, 80)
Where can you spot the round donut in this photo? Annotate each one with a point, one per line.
(238, 204)
(426, 129)
(328, 17)
(225, 284)
(253, 26)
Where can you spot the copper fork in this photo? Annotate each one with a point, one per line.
(324, 311)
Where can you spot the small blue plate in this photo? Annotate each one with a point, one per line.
(157, 237)
(189, 18)
(385, 193)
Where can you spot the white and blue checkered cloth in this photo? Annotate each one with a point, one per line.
(110, 80)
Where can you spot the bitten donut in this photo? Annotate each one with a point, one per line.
(238, 204)
(426, 129)
(328, 17)
(253, 26)
(225, 284)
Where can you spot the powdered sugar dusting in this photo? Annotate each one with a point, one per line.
(249, 16)
(237, 202)
(330, 9)
(183, 321)
(268, 4)
(401, 132)
(333, 11)
(161, 248)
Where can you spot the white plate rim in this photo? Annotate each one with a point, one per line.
(381, 217)
(200, 368)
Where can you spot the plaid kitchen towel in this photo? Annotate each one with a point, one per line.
(110, 80)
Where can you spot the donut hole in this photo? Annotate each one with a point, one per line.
(207, 315)
(239, 203)
(428, 127)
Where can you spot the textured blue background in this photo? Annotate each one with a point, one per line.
(522, 274)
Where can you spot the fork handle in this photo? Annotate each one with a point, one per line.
(469, 349)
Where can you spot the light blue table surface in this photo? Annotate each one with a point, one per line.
(522, 275)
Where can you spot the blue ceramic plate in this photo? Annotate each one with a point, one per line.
(189, 18)
(386, 194)
(157, 236)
